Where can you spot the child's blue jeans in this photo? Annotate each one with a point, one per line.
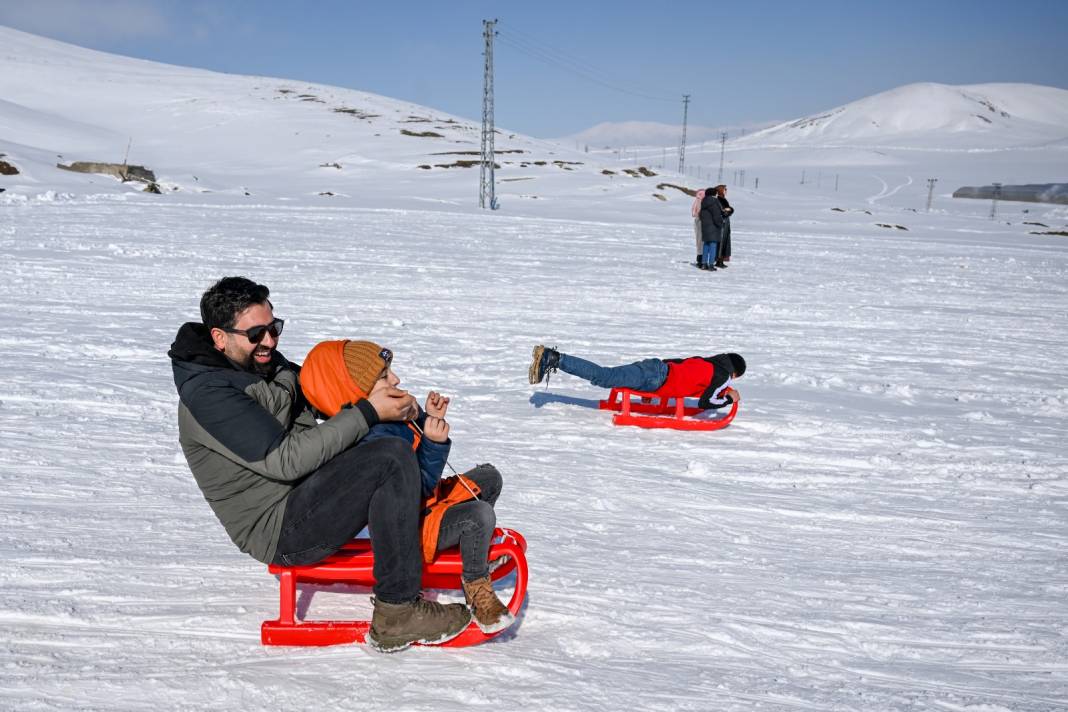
(647, 375)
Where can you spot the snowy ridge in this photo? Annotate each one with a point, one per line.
(205, 132)
(651, 133)
(929, 114)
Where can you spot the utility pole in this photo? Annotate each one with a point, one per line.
(486, 198)
(994, 202)
(742, 176)
(682, 147)
(930, 191)
(802, 176)
(722, 146)
(835, 182)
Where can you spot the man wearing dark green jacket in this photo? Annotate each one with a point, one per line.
(292, 490)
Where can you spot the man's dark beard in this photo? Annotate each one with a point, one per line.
(263, 369)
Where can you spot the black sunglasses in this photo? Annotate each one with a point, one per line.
(386, 355)
(256, 333)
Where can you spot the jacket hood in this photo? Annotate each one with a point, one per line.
(728, 363)
(194, 352)
(193, 344)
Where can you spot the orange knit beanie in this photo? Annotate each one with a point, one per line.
(364, 362)
(336, 373)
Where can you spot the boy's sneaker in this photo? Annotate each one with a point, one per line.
(490, 614)
(543, 361)
(395, 626)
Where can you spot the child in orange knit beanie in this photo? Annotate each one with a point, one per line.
(458, 511)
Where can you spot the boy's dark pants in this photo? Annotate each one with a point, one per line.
(470, 524)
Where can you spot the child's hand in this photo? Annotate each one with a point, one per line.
(436, 404)
(733, 395)
(437, 429)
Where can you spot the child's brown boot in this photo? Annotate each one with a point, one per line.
(489, 613)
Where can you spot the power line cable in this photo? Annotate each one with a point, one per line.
(577, 61)
(576, 67)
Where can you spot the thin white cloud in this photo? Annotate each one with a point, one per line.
(82, 21)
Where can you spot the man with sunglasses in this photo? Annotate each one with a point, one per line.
(288, 489)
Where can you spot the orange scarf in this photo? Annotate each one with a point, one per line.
(448, 492)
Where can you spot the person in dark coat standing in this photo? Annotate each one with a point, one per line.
(712, 220)
(725, 235)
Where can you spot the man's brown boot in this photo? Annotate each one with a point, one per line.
(395, 626)
(490, 614)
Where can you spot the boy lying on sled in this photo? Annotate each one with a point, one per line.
(710, 377)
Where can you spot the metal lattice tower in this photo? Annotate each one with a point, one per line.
(486, 198)
(682, 146)
(722, 148)
(994, 202)
(930, 191)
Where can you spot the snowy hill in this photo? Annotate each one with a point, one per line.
(212, 136)
(882, 526)
(208, 133)
(650, 133)
(932, 115)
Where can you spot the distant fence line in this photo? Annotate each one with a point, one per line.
(1032, 193)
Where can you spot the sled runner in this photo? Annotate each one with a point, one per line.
(354, 564)
(655, 411)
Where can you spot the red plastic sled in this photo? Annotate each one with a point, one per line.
(354, 564)
(656, 411)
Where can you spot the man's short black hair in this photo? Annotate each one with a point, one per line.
(227, 298)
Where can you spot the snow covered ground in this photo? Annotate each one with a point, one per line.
(883, 527)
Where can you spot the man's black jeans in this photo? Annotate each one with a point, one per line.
(376, 484)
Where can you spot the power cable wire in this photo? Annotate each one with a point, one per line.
(544, 53)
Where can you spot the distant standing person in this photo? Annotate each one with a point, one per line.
(695, 211)
(712, 220)
(725, 235)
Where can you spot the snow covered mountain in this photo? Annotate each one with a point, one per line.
(931, 115)
(214, 136)
(204, 133)
(650, 133)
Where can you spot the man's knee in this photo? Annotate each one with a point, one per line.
(397, 458)
(487, 516)
(488, 477)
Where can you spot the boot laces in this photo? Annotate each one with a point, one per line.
(482, 596)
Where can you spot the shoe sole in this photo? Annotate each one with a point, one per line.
(534, 373)
(503, 622)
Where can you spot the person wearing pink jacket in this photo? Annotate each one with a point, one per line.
(695, 211)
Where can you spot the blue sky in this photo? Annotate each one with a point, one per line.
(564, 66)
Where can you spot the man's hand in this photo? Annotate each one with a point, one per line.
(436, 404)
(391, 403)
(734, 396)
(437, 429)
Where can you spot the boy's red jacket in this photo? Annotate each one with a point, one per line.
(688, 377)
(699, 376)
